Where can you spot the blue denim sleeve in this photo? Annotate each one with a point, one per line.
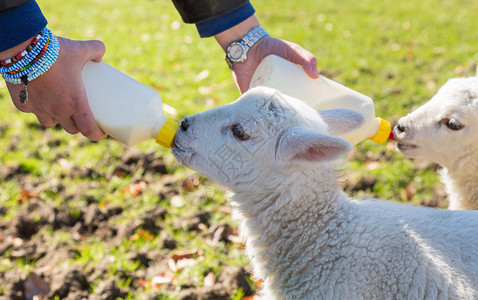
(224, 22)
(20, 23)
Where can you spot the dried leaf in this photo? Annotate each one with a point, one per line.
(103, 204)
(232, 230)
(35, 286)
(409, 192)
(185, 263)
(191, 182)
(172, 265)
(259, 283)
(26, 195)
(183, 259)
(119, 174)
(181, 264)
(142, 283)
(372, 165)
(141, 234)
(159, 280)
(236, 240)
(218, 234)
(137, 188)
(253, 297)
(210, 279)
(185, 254)
(225, 209)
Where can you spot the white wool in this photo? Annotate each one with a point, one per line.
(305, 238)
(424, 134)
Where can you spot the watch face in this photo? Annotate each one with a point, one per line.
(235, 51)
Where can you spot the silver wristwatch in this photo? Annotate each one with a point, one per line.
(237, 51)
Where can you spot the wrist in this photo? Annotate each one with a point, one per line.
(31, 62)
(15, 50)
(236, 33)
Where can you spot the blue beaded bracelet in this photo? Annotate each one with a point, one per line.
(33, 64)
(31, 55)
(44, 63)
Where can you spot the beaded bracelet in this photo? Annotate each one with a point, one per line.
(24, 70)
(33, 63)
(22, 54)
(31, 55)
(39, 68)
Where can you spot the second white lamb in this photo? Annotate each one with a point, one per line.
(445, 131)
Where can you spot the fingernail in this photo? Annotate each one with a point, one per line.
(316, 72)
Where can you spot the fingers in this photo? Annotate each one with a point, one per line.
(86, 123)
(83, 117)
(80, 122)
(88, 127)
(301, 56)
(310, 66)
(46, 120)
(69, 126)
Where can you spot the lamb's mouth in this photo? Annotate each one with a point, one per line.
(405, 146)
(182, 155)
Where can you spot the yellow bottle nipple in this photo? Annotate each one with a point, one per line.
(383, 131)
(167, 133)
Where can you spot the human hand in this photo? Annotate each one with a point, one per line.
(58, 96)
(242, 72)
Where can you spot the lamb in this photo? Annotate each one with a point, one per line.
(304, 237)
(445, 131)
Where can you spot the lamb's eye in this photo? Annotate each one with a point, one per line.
(453, 124)
(239, 133)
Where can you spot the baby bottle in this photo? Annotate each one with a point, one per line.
(321, 94)
(124, 108)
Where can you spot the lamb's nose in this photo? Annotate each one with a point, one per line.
(400, 127)
(185, 124)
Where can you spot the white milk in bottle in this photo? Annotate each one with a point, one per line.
(321, 94)
(124, 108)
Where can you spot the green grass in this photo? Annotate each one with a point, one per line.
(397, 52)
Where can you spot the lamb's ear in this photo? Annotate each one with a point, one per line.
(341, 121)
(303, 144)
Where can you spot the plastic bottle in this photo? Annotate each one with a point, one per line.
(124, 108)
(321, 94)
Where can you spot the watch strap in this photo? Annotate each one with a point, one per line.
(254, 35)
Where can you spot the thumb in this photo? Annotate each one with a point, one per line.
(94, 50)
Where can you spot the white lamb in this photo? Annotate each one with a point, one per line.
(445, 131)
(305, 238)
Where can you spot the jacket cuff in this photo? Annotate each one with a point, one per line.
(20, 23)
(224, 22)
